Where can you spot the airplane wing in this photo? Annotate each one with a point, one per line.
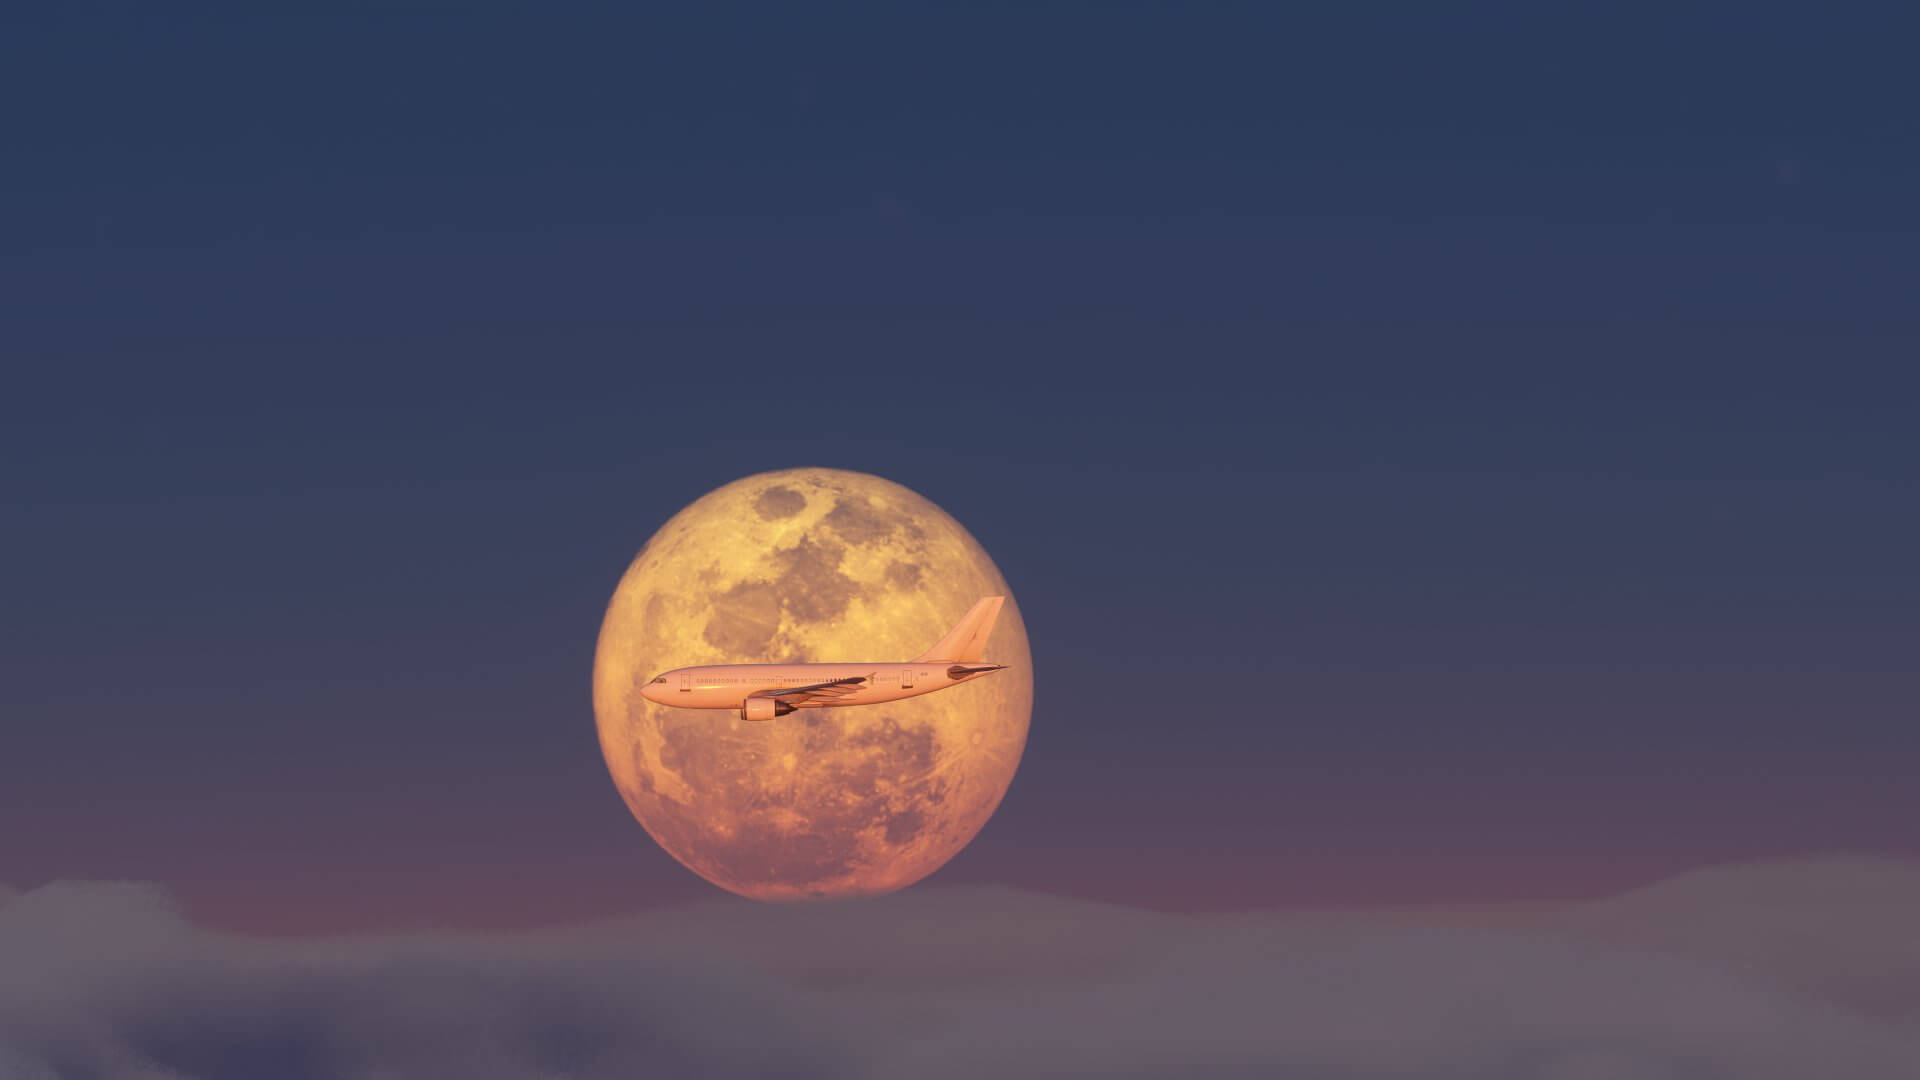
(824, 693)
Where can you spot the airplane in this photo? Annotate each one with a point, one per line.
(766, 691)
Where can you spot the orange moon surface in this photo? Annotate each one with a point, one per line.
(802, 565)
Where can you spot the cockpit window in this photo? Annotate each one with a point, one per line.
(661, 679)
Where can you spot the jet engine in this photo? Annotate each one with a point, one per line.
(764, 708)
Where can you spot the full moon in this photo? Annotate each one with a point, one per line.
(788, 567)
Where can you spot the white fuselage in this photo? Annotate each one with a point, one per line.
(770, 691)
(727, 686)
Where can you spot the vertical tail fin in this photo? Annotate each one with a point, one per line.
(967, 641)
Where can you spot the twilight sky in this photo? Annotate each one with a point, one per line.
(1442, 453)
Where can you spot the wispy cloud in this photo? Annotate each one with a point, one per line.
(1777, 970)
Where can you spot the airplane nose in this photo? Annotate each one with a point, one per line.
(647, 691)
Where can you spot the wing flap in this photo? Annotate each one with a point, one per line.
(821, 693)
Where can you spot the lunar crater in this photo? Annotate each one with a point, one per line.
(810, 584)
(858, 521)
(902, 575)
(744, 618)
(779, 502)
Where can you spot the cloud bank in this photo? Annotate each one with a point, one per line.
(1786, 970)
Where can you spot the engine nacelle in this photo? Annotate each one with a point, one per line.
(764, 708)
